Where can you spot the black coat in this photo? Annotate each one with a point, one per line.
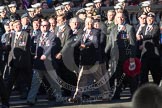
(64, 35)
(34, 38)
(43, 50)
(151, 42)
(91, 54)
(19, 56)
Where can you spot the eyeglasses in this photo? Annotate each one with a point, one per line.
(44, 25)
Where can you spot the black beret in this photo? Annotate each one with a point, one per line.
(36, 18)
(6, 22)
(141, 13)
(24, 15)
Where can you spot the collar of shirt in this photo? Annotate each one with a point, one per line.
(149, 26)
(44, 34)
(24, 27)
(61, 27)
(34, 32)
(110, 22)
(120, 27)
(7, 32)
(18, 33)
(88, 31)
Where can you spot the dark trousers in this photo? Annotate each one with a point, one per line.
(67, 76)
(3, 93)
(152, 65)
(131, 81)
(17, 74)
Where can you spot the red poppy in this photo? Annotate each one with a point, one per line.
(132, 71)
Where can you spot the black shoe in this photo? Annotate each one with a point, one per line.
(85, 97)
(51, 97)
(24, 95)
(75, 100)
(116, 98)
(30, 103)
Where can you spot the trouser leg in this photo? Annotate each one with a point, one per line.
(36, 81)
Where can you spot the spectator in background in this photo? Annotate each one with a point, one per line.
(148, 96)
(37, 8)
(59, 10)
(6, 2)
(3, 14)
(12, 11)
(34, 2)
(20, 6)
(31, 13)
(107, 3)
(68, 11)
(44, 5)
(83, 4)
(145, 6)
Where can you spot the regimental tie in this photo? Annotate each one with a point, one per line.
(148, 28)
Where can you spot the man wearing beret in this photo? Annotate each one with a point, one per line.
(150, 57)
(25, 21)
(141, 23)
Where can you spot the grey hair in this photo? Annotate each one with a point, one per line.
(74, 18)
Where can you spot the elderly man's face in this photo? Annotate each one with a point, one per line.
(89, 23)
(120, 18)
(74, 24)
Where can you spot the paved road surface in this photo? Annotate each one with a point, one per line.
(42, 102)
